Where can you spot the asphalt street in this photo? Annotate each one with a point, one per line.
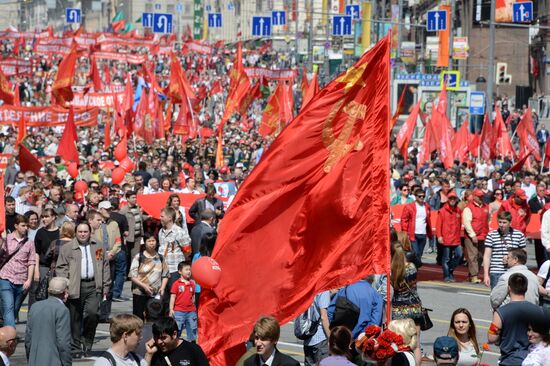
(442, 297)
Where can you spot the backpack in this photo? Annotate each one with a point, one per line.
(306, 324)
(112, 360)
(346, 313)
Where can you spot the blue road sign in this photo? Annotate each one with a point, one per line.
(214, 20)
(354, 11)
(477, 102)
(162, 23)
(230, 6)
(72, 15)
(261, 26)
(522, 11)
(208, 8)
(179, 8)
(278, 17)
(341, 25)
(437, 20)
(147, 20)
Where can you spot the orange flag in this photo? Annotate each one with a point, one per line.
(67, 145)
(6, 92)
(405, 133)
(312, 89)
(61, 88)
(330, 165)
(21, 130)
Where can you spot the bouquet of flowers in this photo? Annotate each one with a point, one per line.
(377, 345)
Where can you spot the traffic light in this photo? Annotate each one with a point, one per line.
(502, 76)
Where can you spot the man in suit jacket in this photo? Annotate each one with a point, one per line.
(209, 202)
(84, 262)
(48, 335)
(202, 227)
(266, 336)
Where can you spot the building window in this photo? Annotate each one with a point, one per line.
(148, 8)
(170, 8)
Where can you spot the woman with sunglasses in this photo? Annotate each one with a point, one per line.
(46, 234)
(402, 196)
(498, 197)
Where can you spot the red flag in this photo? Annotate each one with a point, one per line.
(527, 136)
(17, 97)
(426, 148)
(287, 101)
(502, 138)
(305, 85)
(2, 205)
(440, 129)
(405, 133)
(6, 93)
(519, 164)
(107, 132)
(253, 94)
(21, 130)
(219, 151)
(216, 88)
(94, 75)
(339, 149)
(159, 121)
(399, 107)
(547, 154)
(150, 117)
(473, 146)
(139, 121)
(272, 116)
(27, 161)
(486, 140)
(312, 89)
(107, 74)
(461, 141)
(179, 87)
(67, 145)
(61, 88)
(168, 118)
(184, 121)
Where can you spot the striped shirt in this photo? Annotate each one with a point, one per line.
(173, 245)
(500, 245)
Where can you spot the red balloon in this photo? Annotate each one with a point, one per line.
(207, 272)
(81, 186)
(127, 165)
(120, 151)
(118, 175)
(72, 169)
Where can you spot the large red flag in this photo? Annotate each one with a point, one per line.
(272, 116)
(179, 87)
(139, 121)
(331, 165)
(304, 86)
(27, 161)
(253, 94)
(473, 145)
(405, 133)
(6, 92)
(461, 141)
(519, 164)
(128, 96)
(486, 140)
(527, 136)
(61, 88)
(67, 145)
(503, 145)
(440, 130)
(94, 75)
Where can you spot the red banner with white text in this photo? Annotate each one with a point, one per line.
(47, 116)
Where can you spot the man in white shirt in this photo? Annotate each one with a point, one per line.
(8, 343)
(529, 188)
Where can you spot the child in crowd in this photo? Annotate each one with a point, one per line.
(182, 302)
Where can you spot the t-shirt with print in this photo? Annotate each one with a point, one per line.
(184, 295)
(186, 353)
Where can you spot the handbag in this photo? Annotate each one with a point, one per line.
(41, 291)
(424, 321)
(346, 313)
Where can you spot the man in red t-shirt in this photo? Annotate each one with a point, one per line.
(182, 302)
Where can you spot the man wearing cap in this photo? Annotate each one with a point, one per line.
(48, 333)
(415, 220)
(518, 207)
(448, 228)
(497, 245)
(445, 351)
(475, 219)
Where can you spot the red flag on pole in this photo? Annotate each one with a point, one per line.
(67, 145)
(519, 164)
(405, 133)
(527, 136)
(21, 130)
(94, 75)
(399, 106)
(61, 88)
(502, 141)
(339, 149)
(461, 141)
(6, 92)
(27, 161)
(311, 91)
(486, 140)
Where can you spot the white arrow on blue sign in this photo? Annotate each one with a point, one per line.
(162, 23)
(477, 102)
(522, 11)
(354, 11)
(278, 17)
(451, 80)
(214, 20)
(341, 25)
(261, 26)
(147, 20)
(72, 15)
(437, 20)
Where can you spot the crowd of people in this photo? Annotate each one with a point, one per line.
(70, 252)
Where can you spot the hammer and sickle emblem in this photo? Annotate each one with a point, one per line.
(338, 146)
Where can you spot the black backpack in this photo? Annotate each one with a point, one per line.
(346, 312)
(112, 360)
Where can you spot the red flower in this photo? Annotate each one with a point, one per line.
(485, 346)
(372, 331)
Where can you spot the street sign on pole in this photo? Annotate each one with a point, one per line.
(278, 17)
(341, 25)
(451, 78)
(436, 21)
(261, 26)
(354, 11)
(162, 23)
(72, 15)
(522, 11)
(147, 20)
(477, 103)
(214, 20)
(179, 8)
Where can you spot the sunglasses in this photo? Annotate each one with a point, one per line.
(420, 195)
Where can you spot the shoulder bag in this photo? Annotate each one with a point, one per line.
(346, 312)
(5, 257)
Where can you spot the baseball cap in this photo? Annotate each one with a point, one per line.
(445, 350)
(478, 193)
(520, 193)
(452, 194)
(104, 204)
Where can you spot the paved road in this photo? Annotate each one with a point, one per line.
(442, 297)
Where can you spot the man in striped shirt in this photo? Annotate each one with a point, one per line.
(497, 245)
